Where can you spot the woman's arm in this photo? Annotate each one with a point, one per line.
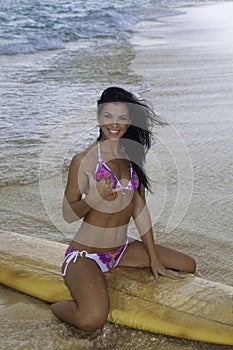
(143, 223)
(74, 207)
(81, 181)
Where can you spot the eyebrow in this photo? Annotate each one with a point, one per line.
(122, 115)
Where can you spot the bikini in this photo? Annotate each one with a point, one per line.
(103, 171)
(105, 260)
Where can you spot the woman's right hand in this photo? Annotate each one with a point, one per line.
(102, 189)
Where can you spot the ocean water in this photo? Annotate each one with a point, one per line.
(56, 58)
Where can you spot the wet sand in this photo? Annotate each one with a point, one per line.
(187, 61)
(187, 64)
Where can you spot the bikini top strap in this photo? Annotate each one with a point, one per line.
(99, 154)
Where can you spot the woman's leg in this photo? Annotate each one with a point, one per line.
(136, 256)
(90, 305)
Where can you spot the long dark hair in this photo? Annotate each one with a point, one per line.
(143, 118)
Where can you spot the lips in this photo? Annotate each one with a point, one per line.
(113, 132)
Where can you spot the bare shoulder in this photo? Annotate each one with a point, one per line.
(85, 158)
(77, 179)
(78, 159)
(140, 195)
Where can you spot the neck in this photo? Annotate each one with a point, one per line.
(111, 147)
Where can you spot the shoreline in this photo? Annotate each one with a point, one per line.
(190, 82)
(178, 89)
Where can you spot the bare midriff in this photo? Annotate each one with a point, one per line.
(101, 232)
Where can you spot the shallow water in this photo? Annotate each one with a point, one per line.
(190, 75)
(185, 62)
(55, 60)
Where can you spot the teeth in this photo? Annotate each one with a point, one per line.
(113, 131)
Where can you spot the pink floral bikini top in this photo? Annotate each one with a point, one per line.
(103, 171)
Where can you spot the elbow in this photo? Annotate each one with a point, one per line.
(68, 215)
(68, 219)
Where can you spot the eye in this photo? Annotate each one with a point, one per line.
(124, 118)
(107, 115)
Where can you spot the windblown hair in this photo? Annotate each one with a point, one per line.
(138, 137)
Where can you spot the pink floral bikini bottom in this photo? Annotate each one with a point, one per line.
(105, 260)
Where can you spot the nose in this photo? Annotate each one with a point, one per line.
(115, 122)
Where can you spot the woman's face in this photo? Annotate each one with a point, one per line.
(114, 120)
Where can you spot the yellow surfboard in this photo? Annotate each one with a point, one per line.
(193, 308)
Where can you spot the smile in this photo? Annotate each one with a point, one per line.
(113, 132)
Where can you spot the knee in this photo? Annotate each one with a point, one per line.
(92, 320)
(91, 324)
(192, 265)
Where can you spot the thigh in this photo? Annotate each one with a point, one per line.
(87, 286)
(136, 256)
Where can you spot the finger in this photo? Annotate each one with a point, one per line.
(106, 183)
(90, 176)
(109, 185)
(87, 173)
(110, 182)
(155, 273)
(168, 273)
(175, 275)
(116, 190)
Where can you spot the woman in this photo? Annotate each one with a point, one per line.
(106, 187)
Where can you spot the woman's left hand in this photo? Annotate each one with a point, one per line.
(159, 269)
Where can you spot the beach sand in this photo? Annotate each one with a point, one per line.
(186, 62)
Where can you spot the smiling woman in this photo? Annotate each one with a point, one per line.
(93, 193)
(139, 118)
(114, 119)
